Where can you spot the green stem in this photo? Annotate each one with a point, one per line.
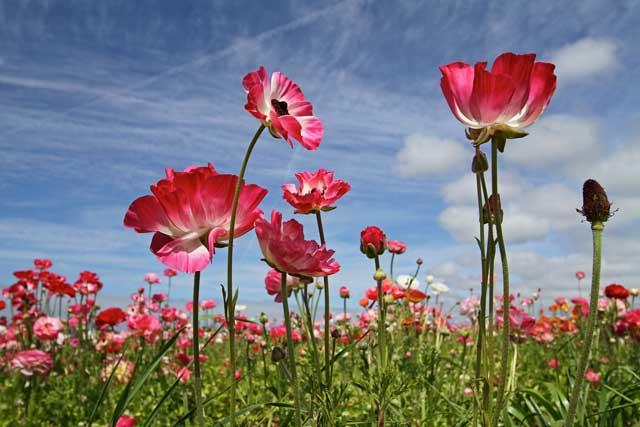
(596, 228)
(230, 296)
(383, 347)
(327, 324)
(197, 384)
(393, 256)
(290, 352)
(504, 362)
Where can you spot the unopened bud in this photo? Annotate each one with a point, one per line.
(379, 275)
(479, 163)
(595, 204)
(419, 261)
(388, 299)
(335, 334)
(277, 354)
(264, 318)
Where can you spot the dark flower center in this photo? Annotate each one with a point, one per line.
(280, 107)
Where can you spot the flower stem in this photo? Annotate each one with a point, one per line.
(327, 324)
(383, 348)
(393, 256)
(596, 228)
(504, 362)
(290, 352)
(230, 296)
(197, 384)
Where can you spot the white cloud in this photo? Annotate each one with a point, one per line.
(554, 140)
(424, 155)
(584, 58)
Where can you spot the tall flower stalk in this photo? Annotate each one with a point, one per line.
(596, 209)
(197, 383)
(290, 351)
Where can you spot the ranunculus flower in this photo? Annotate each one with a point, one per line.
(439, 288)
(47, 328)
(592, 377)
(373, 241)
(190, 213)
(88, 283)
(285, 249)
(151, 278)
(280, 105)
(407, 281)
(126, 422)
(170, 272)
(414, 295)
(42, 264)
(506, 99)
(344, 292)
(580, 275)
(616, 291)
(207, 304)
(110, 317)
(317, 191)
(145, 325)
(272, 284)
(31, 362)
(396, 247)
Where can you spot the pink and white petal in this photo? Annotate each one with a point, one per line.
(284, 89)
(300, 108)
(183, 254)
(311, 131)
(519, 68)
(543, 84)
(214, 237)
(457, 86)
(491, 95)
(145, 215)
(276, 124)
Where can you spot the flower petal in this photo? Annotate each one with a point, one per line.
(491, 94)
(146, 215)
(186, 254)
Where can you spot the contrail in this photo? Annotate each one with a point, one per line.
(200, 60)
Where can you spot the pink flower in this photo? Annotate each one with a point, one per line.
(272, 284)
(514, 93)
(126, 422)
(31, 362)
(592, 377)
(580, 275)
(47, 328)
(317, 192)
(183, 373)
(373, 241)
(279, 104)
(151, 278)
(285, 249)
(553, 363)
(88, 283)
(397, 247)
(344, 292)
(145, 325)
(207, 304)
(190, 213)
(170, 272)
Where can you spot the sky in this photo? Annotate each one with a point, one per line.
(97, 98)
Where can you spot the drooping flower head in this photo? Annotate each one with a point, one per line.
(397, 247)
(373, 241)
(285, 249)
(317, 192)
(280, 105)
(190, 213)
(506, 99)
(272, 283)
(30, 362)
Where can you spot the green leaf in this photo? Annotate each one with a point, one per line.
(103, 392)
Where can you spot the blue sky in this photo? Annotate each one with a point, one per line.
(97, 98)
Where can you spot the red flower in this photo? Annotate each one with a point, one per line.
(511, 96)
(42, 264)
(190, 213)
(285, 249)
(318, 191)
(580, 275)
(126, 422)
(373, 241)
(615, 291)
(396, 247)
(280, 105)
(415, 295)
(110, 317)
(88, 283)
(170, 272)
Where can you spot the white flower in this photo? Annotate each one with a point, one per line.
(241, 307)
(439, 288)
(429, 279)
(406, 281)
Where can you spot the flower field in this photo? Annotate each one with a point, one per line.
(398, 354)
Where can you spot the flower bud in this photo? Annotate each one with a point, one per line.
(335, 334)
(277, 354)
(344, 292)
(373, 242)
(489, 213)
(479, 163)
(388, 299)
(379, 275)
(595, 204)
(264, 318)
(419, 261)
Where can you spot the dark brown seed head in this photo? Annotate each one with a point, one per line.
(595, 203)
